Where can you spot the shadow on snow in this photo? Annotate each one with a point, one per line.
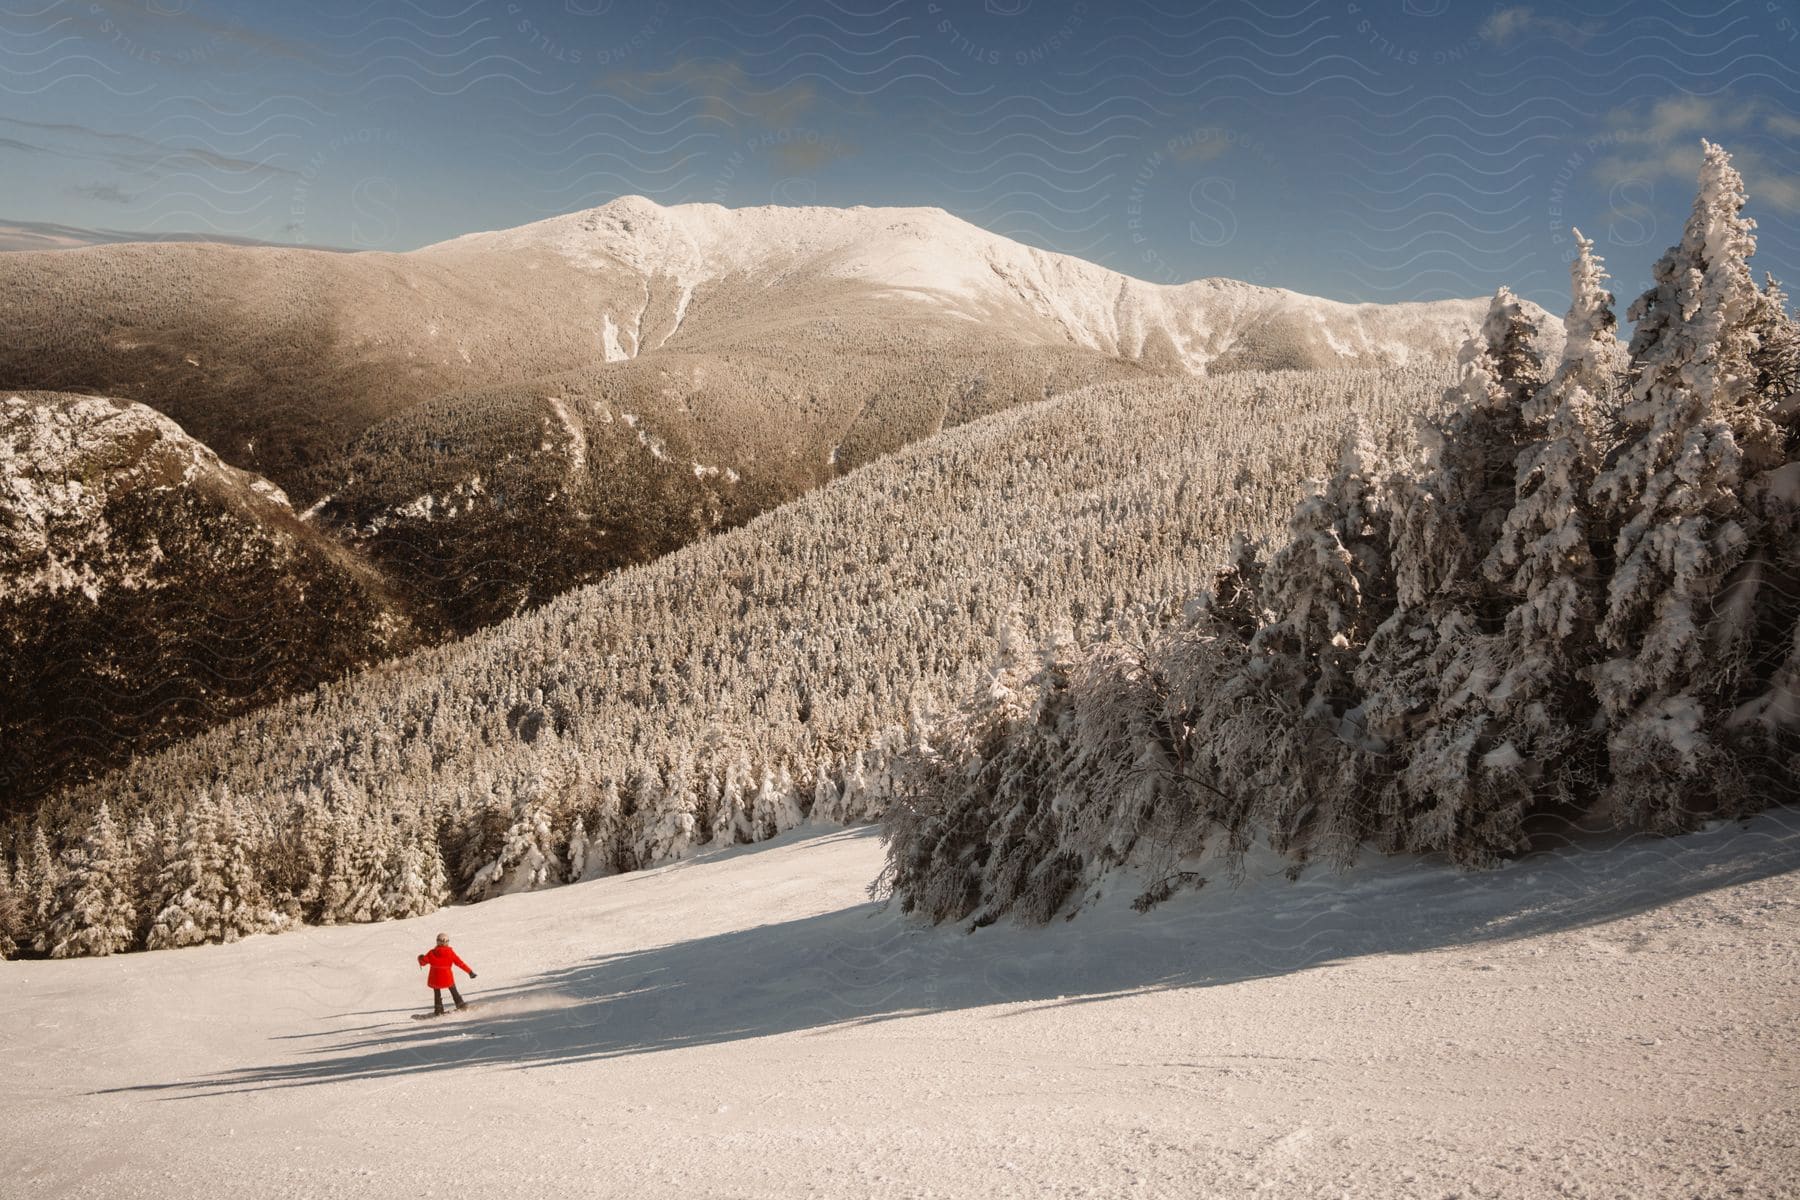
(865, 964)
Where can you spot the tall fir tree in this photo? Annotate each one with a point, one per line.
(1777, 356)
(12, 912)
(40, 881)
(1543, 560)
(578, 850)
(1674, 490)
(1765, 589)
(1425, 677)
(244, 908)
(96, 914)
(827, 800)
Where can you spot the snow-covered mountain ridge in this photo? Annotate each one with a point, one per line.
(936, 259)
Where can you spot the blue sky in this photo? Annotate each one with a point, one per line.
(1360, 149)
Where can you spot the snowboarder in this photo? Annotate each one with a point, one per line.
(443, 962)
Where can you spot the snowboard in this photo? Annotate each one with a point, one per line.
(449, 1012)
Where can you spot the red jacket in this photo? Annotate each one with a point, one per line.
(442, 960)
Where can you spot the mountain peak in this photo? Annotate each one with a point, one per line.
(927, 257)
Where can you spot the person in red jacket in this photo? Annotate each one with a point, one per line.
(443, 962)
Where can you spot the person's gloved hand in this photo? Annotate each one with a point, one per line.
(473, 975)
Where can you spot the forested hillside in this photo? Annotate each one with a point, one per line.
(485, 424)
(720, 694)
(1580, 601)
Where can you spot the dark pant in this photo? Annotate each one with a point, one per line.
(437, 997)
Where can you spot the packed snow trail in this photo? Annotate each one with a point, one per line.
(1610, 1022)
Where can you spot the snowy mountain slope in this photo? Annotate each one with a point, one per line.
(720, 692)
(148, 590)
(961, 271)
(1603, 1022)
(279, 358)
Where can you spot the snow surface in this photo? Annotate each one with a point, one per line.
(609, 340)
(1609, 1022)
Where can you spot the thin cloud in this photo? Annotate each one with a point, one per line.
(810, 154)
(1663, 144)
(1203, 145)
(181, 27)
(49, 235)
(1782, 125)
(727, 91)
(42, 235)
(105, 193)
(144, 155)
(1509, 25)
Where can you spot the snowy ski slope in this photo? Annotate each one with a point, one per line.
(1610, 1022)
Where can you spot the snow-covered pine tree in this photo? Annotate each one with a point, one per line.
(527, 859)
(1543, 560)
(154, 871)
(485, 821)
(665, 814)
(211, 890)
(245, 907)
(40, 881)
(880, 786)
(827, 800)
(643, 793)
(1317, 600)
(856, 803)
(741, 807)
(1767, 583)
(1447, 519)
(979, 803)
(1674, 490)
(1233, 604)
(578, 850)
(605, 833)
(786, 812)
(437, 873)
(1328, 586)
(679, 807)
(710, 789)
(12, 912)
(1476, 449)
(1540, 740)
(1777, 355)
(144, 844)
(96, 915)
(371, 843)
(332, 892)
(192, 884)
(414, 884)
(1426, 674)
(1258, 682)
(1771, 716)
(762, 807)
